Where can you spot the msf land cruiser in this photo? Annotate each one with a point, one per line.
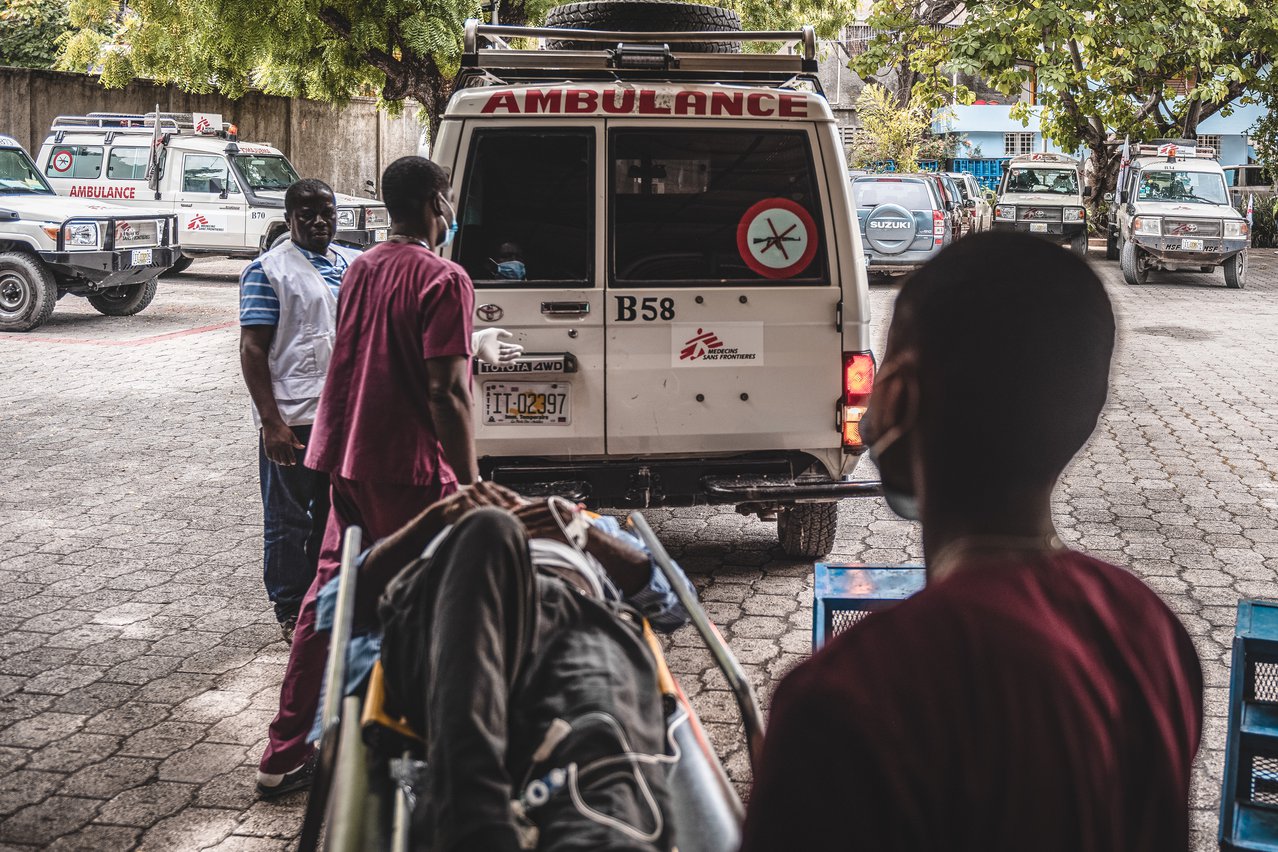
(228, 195)
(51, 246)
(668, 232)
(1174, 212)
(1043, 194)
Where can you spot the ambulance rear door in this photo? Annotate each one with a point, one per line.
(722, 308)
(529, 208)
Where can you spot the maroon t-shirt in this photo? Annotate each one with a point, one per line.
(1053, 704)
(400, 305)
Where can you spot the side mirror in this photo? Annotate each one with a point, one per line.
(1087, 191)
(370, 188)
(971, 202)
(1108, 197)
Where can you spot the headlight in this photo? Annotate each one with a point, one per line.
(1150, 226)
(346, 217)
(82, 235)
(1236, 229)
(1005, 211)
(1073, 214)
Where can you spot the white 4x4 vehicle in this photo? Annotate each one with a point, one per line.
(692, 298)
(51, 246)
(1174, 213)
(228, 195)
(1042, 193)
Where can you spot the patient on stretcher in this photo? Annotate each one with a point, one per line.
(512, 643)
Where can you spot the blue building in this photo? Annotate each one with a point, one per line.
(988, 131)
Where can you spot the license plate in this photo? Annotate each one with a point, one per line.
(140, 257)
(528, 402)
(379, 236)
(1191, 245)
(1038, 227)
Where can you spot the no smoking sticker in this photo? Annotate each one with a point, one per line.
(777, 238)
(62, 161)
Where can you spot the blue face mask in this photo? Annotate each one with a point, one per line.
(512, 269)
(452, 227)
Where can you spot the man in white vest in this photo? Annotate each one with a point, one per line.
(288, 314)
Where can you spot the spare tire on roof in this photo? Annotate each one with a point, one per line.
(645, 16)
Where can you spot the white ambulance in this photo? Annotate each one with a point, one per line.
(669, 234)
(228, 195)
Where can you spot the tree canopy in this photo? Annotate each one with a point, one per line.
(323, 49)
(1102, 70)
(30, 32)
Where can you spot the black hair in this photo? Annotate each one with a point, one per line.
(1014, 338)
(411, 183)
(305, 186)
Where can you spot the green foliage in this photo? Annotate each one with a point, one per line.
(30, 32)
(323, 49)
(889, 132)
(1103, 70)
(1264, 136)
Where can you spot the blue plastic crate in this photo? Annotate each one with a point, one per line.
(1249, 794)
(846, 592)
(988, 171)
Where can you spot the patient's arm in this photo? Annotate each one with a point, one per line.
(627, 565)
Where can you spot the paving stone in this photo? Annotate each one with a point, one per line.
(193, 828)
(74, 752)
(110, 777)
(201, 762)
(43, 822)
(98, 838)
(145, 805)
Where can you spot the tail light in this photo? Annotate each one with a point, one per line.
(858, 382)
(938, 229)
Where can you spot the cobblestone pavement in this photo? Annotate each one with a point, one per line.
(139, 661)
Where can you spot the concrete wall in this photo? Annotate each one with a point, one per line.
(342, 145)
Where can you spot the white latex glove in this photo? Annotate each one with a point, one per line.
(490, 346)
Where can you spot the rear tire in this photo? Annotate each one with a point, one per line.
(644, 16)
(1236, 271)
(1111, 245)
(1135, 272)
(27, 292)
(1078, 245)
(806, 530)
(125, 301)
(184, 263)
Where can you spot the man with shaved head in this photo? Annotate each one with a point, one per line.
(1030, 697)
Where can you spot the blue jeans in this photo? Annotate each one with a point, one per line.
(294, 513)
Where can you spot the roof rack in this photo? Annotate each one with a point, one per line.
(1045, 157)
(1174, 151)
(115, 123)
(488, 59)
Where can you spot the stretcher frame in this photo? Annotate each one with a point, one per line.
(355, 806)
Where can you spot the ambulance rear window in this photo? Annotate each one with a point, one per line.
(526, 210)
(709, 206)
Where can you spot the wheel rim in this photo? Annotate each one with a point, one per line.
(15, 295)
(1242, 267)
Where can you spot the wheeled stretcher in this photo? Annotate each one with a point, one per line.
(362, 797)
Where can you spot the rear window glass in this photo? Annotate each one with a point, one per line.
(911, 195)
(74, 161)
(127, 164)
(527, 207)
(715, 206)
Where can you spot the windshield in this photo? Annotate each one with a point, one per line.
(18, 174)
(265, 172)
(1053, 181)
(871, 192)
(1201, 187)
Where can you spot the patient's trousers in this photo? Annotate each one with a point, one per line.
(483, 654)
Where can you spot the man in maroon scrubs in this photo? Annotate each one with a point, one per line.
(1030, 697)
(393, 429)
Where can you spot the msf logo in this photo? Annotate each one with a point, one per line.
(197, 222)
(697, 347)
(203, 125)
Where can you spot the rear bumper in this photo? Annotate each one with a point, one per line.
(757, 480)
(103, 269)
(903, 262)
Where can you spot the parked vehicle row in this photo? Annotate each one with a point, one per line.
(905, 219)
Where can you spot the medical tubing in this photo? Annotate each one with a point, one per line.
(747, 702)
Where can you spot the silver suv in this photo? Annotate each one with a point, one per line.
(902, 219)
